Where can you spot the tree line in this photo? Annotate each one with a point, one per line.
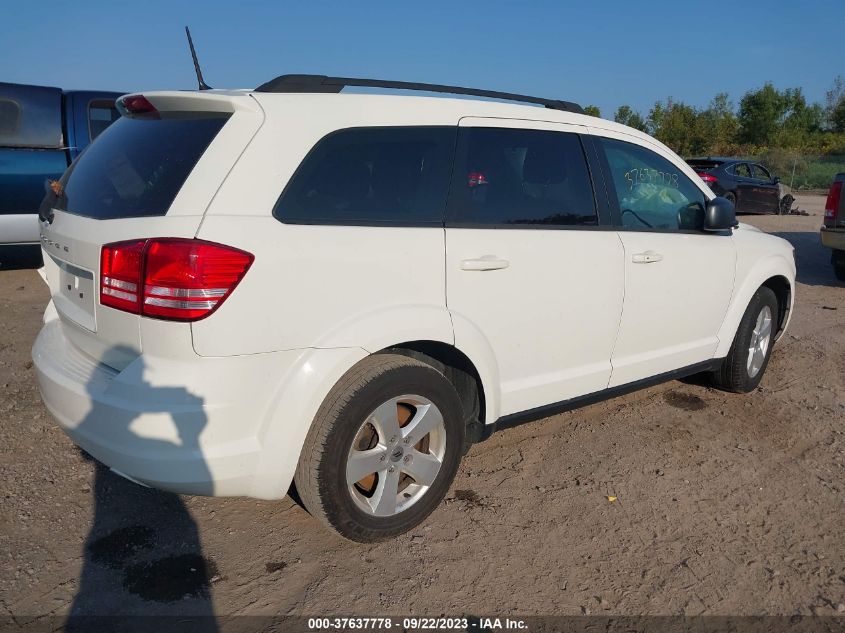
(766, 119)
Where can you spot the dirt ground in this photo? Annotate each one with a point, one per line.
(726, 504)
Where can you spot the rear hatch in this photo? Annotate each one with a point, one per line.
(150, 174)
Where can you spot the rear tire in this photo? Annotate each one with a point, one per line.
(730, 196)
(746, 362)
(396, 422)
(838, 260)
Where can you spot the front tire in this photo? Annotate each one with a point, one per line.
(383, 449)
(746, 362)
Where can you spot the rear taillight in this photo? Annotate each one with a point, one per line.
(831, 207)
(120, 274)
(170, 278)
(708, 178)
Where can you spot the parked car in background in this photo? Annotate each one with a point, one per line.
(750, 186)
(42, 130)
(833, 231)
(251, 288)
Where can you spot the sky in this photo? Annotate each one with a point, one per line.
(602, 52)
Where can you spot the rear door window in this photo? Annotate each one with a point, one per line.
(101, 114)
(520, 177)
(652, 192)
(30, 116)
(760, 173)
(137, 166)
(377, 175)
(742, 170)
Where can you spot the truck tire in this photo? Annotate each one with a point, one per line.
(837, 258)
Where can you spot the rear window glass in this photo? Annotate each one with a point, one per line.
(521, 177)
(10, 117)
(372, 176)
(101, 114)
(137, 166)
(702, 164)
(30, 116)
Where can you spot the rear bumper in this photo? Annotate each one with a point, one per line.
(833, 238)
(211, 426)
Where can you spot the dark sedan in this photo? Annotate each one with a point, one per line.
(750, 186)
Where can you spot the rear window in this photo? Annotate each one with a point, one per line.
(101, 114)
(702, 164)
(137, 165)
(378, 175)
(30, 116)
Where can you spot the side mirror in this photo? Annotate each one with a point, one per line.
(776, 180)
(719, 215)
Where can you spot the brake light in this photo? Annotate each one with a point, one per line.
(708, 178)
(170, 278)
(136, 104)
(476, 178)
(831, 207)
(120, 275)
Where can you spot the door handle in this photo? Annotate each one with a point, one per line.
(647, 257)
(487, 262)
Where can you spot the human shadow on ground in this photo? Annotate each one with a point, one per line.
(143, 555)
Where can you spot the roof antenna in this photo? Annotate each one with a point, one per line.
(200, 81)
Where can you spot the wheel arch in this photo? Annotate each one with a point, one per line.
(773, 273)
(780, 285)
(459, 369)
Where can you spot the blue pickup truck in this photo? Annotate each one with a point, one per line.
(42, 130)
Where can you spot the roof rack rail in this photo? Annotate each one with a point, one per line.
(324, 84)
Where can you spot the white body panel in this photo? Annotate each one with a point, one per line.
(566, 314)
(759, 257)
(222, 405)
(19, 228)
(674, 306)
(328, 286)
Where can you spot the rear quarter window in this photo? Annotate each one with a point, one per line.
(377, 175)
(137, 166)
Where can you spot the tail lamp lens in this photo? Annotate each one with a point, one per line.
(171, 278)
(831, 206)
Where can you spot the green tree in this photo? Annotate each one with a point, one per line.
(761, 114)
(835, 105)
(677, 125)
(627, 116)
(718, 126)
(592, 110)
(655, 118)
(837, 116)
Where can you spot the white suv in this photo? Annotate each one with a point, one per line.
(254, 288)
